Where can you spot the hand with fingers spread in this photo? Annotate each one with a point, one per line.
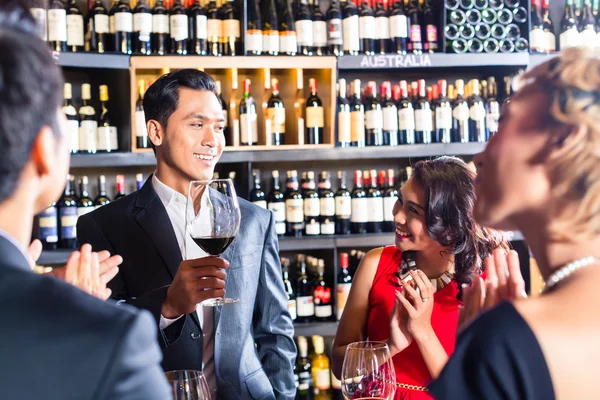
(196, 281)
(418, 305)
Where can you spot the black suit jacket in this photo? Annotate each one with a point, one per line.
(57, 342)
(254, 347)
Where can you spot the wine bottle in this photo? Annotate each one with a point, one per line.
(270, 33)
(289, 291)
(248, 118)
(47, 228)
(399, 28)
(72, 120)
(430, 40)
(74, 20)
(160, 29)
(367, 30)
(344, 117)
(343, 207)
(587, 26)
(141, 132)
(111, 24)
(102, 199)
(315, 116)
(254, 41)
(89, 125)
(414, 18)
(460, 114)
(569, 31)
(107, 139)
(67, 216)
(443, 114)
(382, 31)
(390, 115)
(40, 15)
(360, 217)
(303, 368)
(257, 195)
(276, 114)
(334, 29)
(327, 200)
(406, 116)
(294, 207)
(319, 25)
(321, 369)
(123, 27)
(139, 181)
(276, 203)
(492, 109)
(226, 130)
(344, 284)
(322, 298)
(288, 43)
(57, 26)
(312, 206)
(85, 204)
(548, 27)
(98, 27)
(120, 187)
(198, 24)
(304, 29)
(350, 28)
(142, 28)
(537, 36)
(373, 116)
(231, 29)
(374, 203)
(357, 117)
(477, 130)
(178, 26)
(390, 196)
(423, 116)
(214, 29)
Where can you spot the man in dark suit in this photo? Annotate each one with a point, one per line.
(56, 342)
(246, 349)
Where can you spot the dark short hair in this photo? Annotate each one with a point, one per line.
(162, 97)
(448, 183)
(16, 15)
(30, 95)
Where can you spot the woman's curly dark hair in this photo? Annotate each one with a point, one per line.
(448, 183)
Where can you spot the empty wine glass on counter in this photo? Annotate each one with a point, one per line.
(188, 385)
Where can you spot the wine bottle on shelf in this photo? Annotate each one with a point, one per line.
(335, 40)
(305, 389)
(72, 119)
(443, 114)
(198, 25)
(350, 28)
(67, 216)
(288, 41)
(231, 29)
(360, 214)
(294, 206)
(257, 195)
(382, 29)
(276, 203)
(74, 19)
(40, 15)
(344, 284)
(254, 41)
(315, 115)
(319, 30)
(373, 116)
(89, 125)
(214, 29)
(327, 200)
(304, 29)
(141, 132)
(569, 31)
(477, 130)
(423, 116)
(390, 196)
(160, 29)
(398, 28)
(248, 118)
(548, 27)
(343, 207)
(178, 26)
(367, 30)
(98, 27)
(102, 199)
(492, 109)
(276, 114)
(85, 204)
(111, 24)
(414, 19)
(587, 26)
(578, 7)
(142, 28)
(374, 203)
(321, 369)
(270, 28)
(312, 206)
(430, 35)
(344, 137)
(289, 290)
(305, 306)
(390, 115)
(322, 296)
(537, 36)
(123, 27)
(460, 114)
(139, 181)
(107, 140)
(406, 116)
(47, 228)
(357, 117)
(57, 26)
(120, 187)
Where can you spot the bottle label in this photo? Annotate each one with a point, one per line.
(327, 206)
(277, 118)
(360, 210)
(551, 41)
(214, 28)
(415, 33)
(388, 208)
(111, 23)
(344, 127)
(287, 42)
(491, 121)
(334, 32)
(537, 39)
(87, 136)
(443, 117)
(406, 119)
(254, 40)
(106, 136)
(249, 128)
(280, 228)
(328, 227)
(260, 203)
(294, 210)
(313, 228)
(343, 291)
(305, 306)
(142, 23)
(477, 112)
(124, 22)
(461, 112)
(367, 28)
(48, 222)
(160, 23)
(179, 27)
(231, 28)
(278, 210)
(73, 133)
(292, 309)
(374, 119)
(270, 41)
(319, 33)
(57, 25)
(68, 222)
(140, 124)
(101, 23)
(304, 31)
(382, 25)
(84, 210)
(399, 26)
(74, 30)
(343, 207)
(390, 119)
(323, 380)
(357, 126)
(324, 312)
(312, 207)
(587, 37)
(431, 31)
(375, 211)
(350, 31)
(322, 296)
(39, 14)
(569, 38)
(201, 27)
(315, 117)
(423, 120)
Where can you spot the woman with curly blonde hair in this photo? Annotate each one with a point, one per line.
(540, 174)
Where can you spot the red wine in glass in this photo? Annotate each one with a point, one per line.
(215, 246)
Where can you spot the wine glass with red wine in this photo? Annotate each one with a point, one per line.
(212, 221)
(368, 372)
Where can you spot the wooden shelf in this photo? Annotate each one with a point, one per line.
(435, 60)
(249, 62)
(93, 60)
(315, 328)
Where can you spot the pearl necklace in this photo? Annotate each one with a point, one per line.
(567, 270)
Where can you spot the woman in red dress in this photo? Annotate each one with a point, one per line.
(408, 294)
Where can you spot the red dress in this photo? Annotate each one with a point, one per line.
(409, 364)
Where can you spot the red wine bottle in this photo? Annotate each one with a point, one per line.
(67, 216)
(305, 309)
(334, 29)
(214, 29)
(276, 114)
(443, 114)
(124, 27)
(360, 217)
(178, 23)
(198, 29)
(322, 295)
(312, 206)
(276, 204)
(160, 29)
(254, 40)
(75, 37)
(304, 29)
(367, 28)
(319, 24)
(142, 28)
(231, 29)
(569, 31)
(382, 24)
(399, 28)
(248, 118)
(390, 115)
(374, 203)
(357, 117)
(98, 27)
(294, 206)
(406, 116)
(373, 116)
(343, 207)
(460, 114)
(548, 27)
(477, 131)
(257, 194)
(270, 28)
(414, 17)
(315, 116)
(288, 41)
(327, 200)
(430, 36)
(344, 117)
(423, 116)
(350, 28)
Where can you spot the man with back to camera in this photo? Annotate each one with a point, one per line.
(246, 349)
(56, 342)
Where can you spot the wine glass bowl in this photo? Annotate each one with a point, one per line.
(368, 372)
(188, 385)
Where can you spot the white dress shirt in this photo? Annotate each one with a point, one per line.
(175, 204)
